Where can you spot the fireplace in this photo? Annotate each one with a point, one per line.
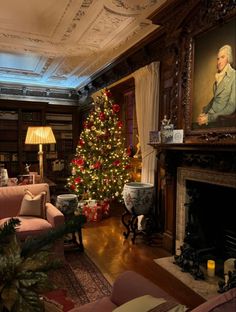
(205, 198)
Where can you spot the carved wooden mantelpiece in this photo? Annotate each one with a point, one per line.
(220, 158)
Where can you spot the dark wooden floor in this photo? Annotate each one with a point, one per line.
(105, 244)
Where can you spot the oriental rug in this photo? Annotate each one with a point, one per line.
(81, 279)
(205, 288)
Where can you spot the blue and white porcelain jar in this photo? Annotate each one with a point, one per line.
(138, 197)
(67, 203)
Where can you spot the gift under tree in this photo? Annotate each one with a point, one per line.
(101, 164)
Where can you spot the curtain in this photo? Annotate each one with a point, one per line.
(147, 108)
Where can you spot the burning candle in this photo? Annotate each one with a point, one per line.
(211, 268)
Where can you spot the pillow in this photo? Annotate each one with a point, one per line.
(140, 304)
(33, 205)
(178, 308)
(170, 306)
(149, 303)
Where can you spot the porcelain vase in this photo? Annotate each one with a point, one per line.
(138, 197)
(67, 203)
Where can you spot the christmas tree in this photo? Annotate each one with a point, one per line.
(101, 164)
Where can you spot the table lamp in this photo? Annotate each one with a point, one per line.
(40, 135)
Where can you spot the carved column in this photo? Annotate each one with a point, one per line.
(167, 196)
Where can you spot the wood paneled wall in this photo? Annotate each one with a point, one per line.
(181, 21)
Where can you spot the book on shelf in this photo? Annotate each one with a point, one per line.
(61, 117)
(9, 115)
(5, 157)
(60, 126)
(66, 135)
(31, 116)
(51, 155)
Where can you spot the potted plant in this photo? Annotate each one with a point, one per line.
(24, 266)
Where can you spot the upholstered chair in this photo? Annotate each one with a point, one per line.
(31, 205)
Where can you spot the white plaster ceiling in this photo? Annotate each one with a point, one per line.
(61, 43)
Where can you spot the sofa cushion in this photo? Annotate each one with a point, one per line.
(11, 197)
(149, 303)
(33, 205)
(225, 302)
(140, 304)
(30, 226)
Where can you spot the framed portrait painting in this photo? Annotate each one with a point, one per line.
(211, 85)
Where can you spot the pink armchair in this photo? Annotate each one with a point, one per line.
(10, 203)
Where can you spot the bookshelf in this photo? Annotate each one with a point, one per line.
(65, 126)
(17, 116)
(9, 121)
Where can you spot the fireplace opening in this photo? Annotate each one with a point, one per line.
(210, 223)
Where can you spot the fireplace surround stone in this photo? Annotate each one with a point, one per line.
(200, 175)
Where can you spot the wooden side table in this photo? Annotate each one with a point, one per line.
(67, 204)
(74, 242)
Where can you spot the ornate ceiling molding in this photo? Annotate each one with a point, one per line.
(71, 39)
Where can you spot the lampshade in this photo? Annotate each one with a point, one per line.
(39, 135)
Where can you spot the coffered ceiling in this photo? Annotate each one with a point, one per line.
(62, 43)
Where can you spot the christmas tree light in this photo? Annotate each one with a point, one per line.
(101, 164)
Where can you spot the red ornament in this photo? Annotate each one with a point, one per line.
(115, 108)
(107, 93)
(116, 163)
(72, 187)
(119, 124)
(78, 180)
(78, 162)
(81, 142)
(102, 116)
(97, 165)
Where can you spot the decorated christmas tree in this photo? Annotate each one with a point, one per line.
(101, 164)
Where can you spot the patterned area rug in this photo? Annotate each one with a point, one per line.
(207, 288)
(82, 280)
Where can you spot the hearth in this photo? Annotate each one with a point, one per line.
(205, 224)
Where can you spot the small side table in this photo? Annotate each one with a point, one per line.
(74, 242)
(67, 204)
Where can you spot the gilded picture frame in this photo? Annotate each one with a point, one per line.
(200, 74)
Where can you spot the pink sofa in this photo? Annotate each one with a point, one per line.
(10, 203)
(130, 285)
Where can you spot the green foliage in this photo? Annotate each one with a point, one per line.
(101, 164)
(24, 266)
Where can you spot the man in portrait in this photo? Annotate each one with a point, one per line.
(223, 102)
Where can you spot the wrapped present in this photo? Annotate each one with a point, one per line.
(93, 210)
(105, 206)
